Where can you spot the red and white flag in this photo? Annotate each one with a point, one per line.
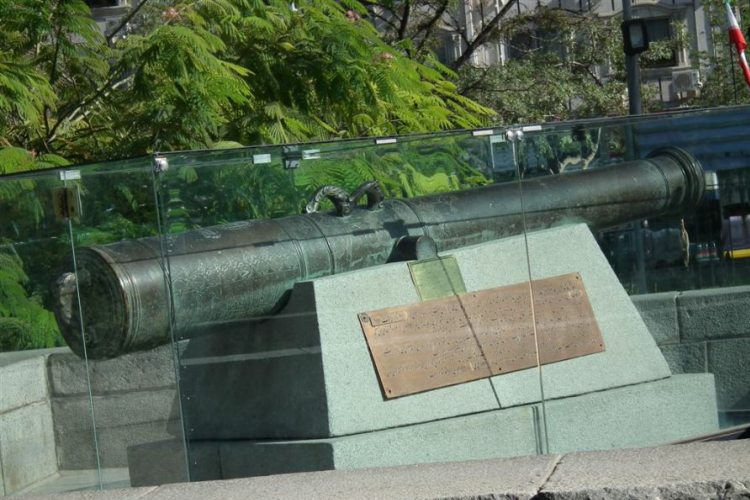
(738, 39)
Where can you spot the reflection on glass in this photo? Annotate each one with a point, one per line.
(47, 436)
(255, 268)
(667, 372)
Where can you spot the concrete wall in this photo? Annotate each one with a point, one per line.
(134, 401)
(27, 442)
(706, 331)
(46, 419)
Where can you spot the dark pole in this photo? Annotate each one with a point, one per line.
(633, 74)
(632, 70)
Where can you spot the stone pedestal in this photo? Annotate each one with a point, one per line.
(299, 391)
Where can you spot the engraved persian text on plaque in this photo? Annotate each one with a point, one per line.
(475, 335)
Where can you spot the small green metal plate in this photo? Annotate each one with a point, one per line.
(437, 278)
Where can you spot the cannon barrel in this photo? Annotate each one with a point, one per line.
(245, 270)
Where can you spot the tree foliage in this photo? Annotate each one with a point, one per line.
(563, 65)
(24, 321)
(724, 83)
(184, 74)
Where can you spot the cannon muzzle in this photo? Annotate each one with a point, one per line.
(245, 270)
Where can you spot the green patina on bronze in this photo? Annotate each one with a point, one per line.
(437, 278)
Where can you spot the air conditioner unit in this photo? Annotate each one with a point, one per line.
(686, 80)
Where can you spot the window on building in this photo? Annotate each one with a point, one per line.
(520, 45)
(659, 30)
(535, 40)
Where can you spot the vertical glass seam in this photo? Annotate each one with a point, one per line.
(85, 355)
(543, 406)
(170, 311)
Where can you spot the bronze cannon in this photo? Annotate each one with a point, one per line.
(245, 270)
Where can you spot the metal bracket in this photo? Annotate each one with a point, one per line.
(514, 135)
(161, 164)
(291, 156)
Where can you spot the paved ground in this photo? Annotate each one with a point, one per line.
(697, 470)
(72, 480)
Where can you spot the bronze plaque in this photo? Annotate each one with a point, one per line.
(475, 335)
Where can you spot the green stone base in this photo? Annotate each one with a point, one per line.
(307, 373)
(641, 415)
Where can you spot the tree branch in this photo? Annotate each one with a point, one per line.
(474, 84)
(428, 26)
(482, 37)
(52, 75)
(595, 77)
(110, 84)
(125, 20)
(404, 20)
(374, 14)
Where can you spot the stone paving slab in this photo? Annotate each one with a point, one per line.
(517, 478)
(697, 470)
(72, 480)
(128, 494)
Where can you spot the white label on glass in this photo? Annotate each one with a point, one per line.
(311, 154)
(70, 175)
(494, 139)
(478, 133)
(388, 140)
(532, 128)
(260, 159)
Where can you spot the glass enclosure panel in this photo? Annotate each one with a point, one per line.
(672, 318)
(47, 436)
(288, 359)
(125, 312)
(81, 274)
(467, 295)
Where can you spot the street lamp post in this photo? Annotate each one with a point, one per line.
(635, 41)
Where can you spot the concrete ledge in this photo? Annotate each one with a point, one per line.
(27, 443)
(728, 361)
(686, 358)
(714, 313)
(23, 383)
(27, 446)
(141, 371)
(698, 470)
(659, 312)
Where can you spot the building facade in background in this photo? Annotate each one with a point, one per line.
(673, 78)
(108, 13)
